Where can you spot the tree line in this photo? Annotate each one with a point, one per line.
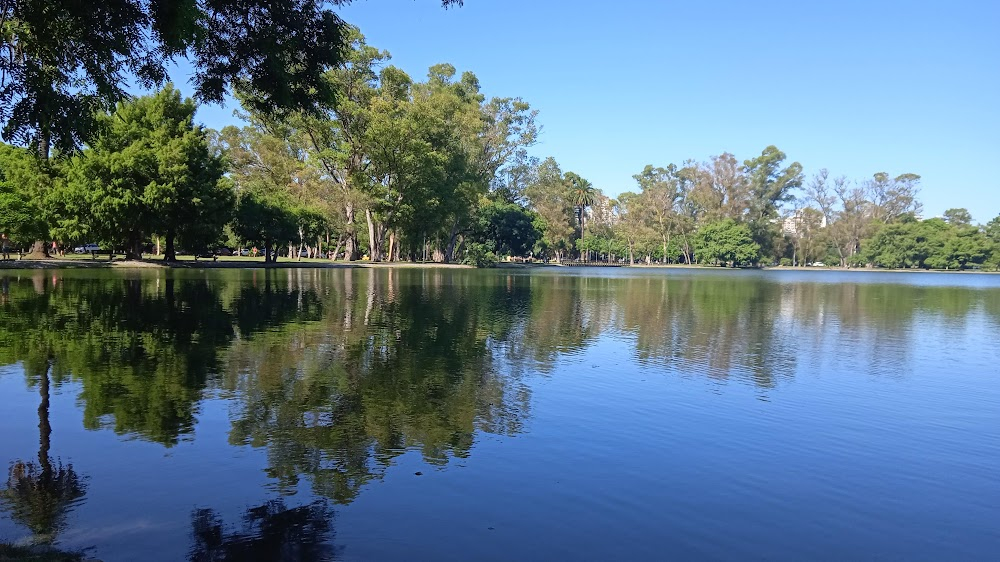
(763, 212)
(384, 167)
(388, 167)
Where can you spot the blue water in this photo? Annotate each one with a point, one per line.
(585, 414)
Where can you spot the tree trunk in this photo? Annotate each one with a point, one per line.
(372, 242)
(336, 249)
(39, 250)
(449, 252)
(170, 254)
(376, 238)
(133, 249)
(351, 249)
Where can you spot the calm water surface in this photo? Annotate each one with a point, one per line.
(360, 414)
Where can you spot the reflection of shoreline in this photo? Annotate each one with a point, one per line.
(877, 270)
(240, 263)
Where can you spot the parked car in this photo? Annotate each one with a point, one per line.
(86, 249)
(223, 252)
(245, 252)
(818, 264)
(303, 253)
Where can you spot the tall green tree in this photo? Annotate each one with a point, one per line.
(551, 198)
(582, 194)
(512, 230)
(21, 216)
(958, 217)
(662, 191)
(771, 184)
(726, 242)
(149, 171)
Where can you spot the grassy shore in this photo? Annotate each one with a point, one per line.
(232, 262)
(244, 262)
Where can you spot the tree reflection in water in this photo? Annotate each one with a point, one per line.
(266, 533)
(39, 496)
(334, 373)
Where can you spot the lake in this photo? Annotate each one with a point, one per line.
(536, 414)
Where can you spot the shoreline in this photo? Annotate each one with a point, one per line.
(82, 263)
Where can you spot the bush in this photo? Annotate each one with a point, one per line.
(479, 254)
(785, 262)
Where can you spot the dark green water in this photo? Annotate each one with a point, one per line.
(494, 415)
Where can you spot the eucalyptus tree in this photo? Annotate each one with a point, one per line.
(509, 128)
(336, 134)
(551, 198)
(958, 217)
(274, 187)
(661, 191)
(893, 197)
(633, 222)
(451, 120)
(721, 189)
(771, 183)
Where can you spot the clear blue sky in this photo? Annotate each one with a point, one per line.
(856, 87)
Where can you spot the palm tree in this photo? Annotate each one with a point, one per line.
(582, 194)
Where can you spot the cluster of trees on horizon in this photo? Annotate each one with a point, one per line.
(343, 155)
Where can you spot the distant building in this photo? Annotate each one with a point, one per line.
(794, 223)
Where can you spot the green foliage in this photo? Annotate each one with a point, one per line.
(60, 60)
(22, 182)
(551, 198)
(929, 244)
(726, 242)
(510, 228)
(480, 254)
(958, 217)
(265, 219)
(149, 171)
(770, 184)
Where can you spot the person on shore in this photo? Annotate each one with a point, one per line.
(5, 246)
(254, 251)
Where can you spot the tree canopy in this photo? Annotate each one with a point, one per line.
(61, 60)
